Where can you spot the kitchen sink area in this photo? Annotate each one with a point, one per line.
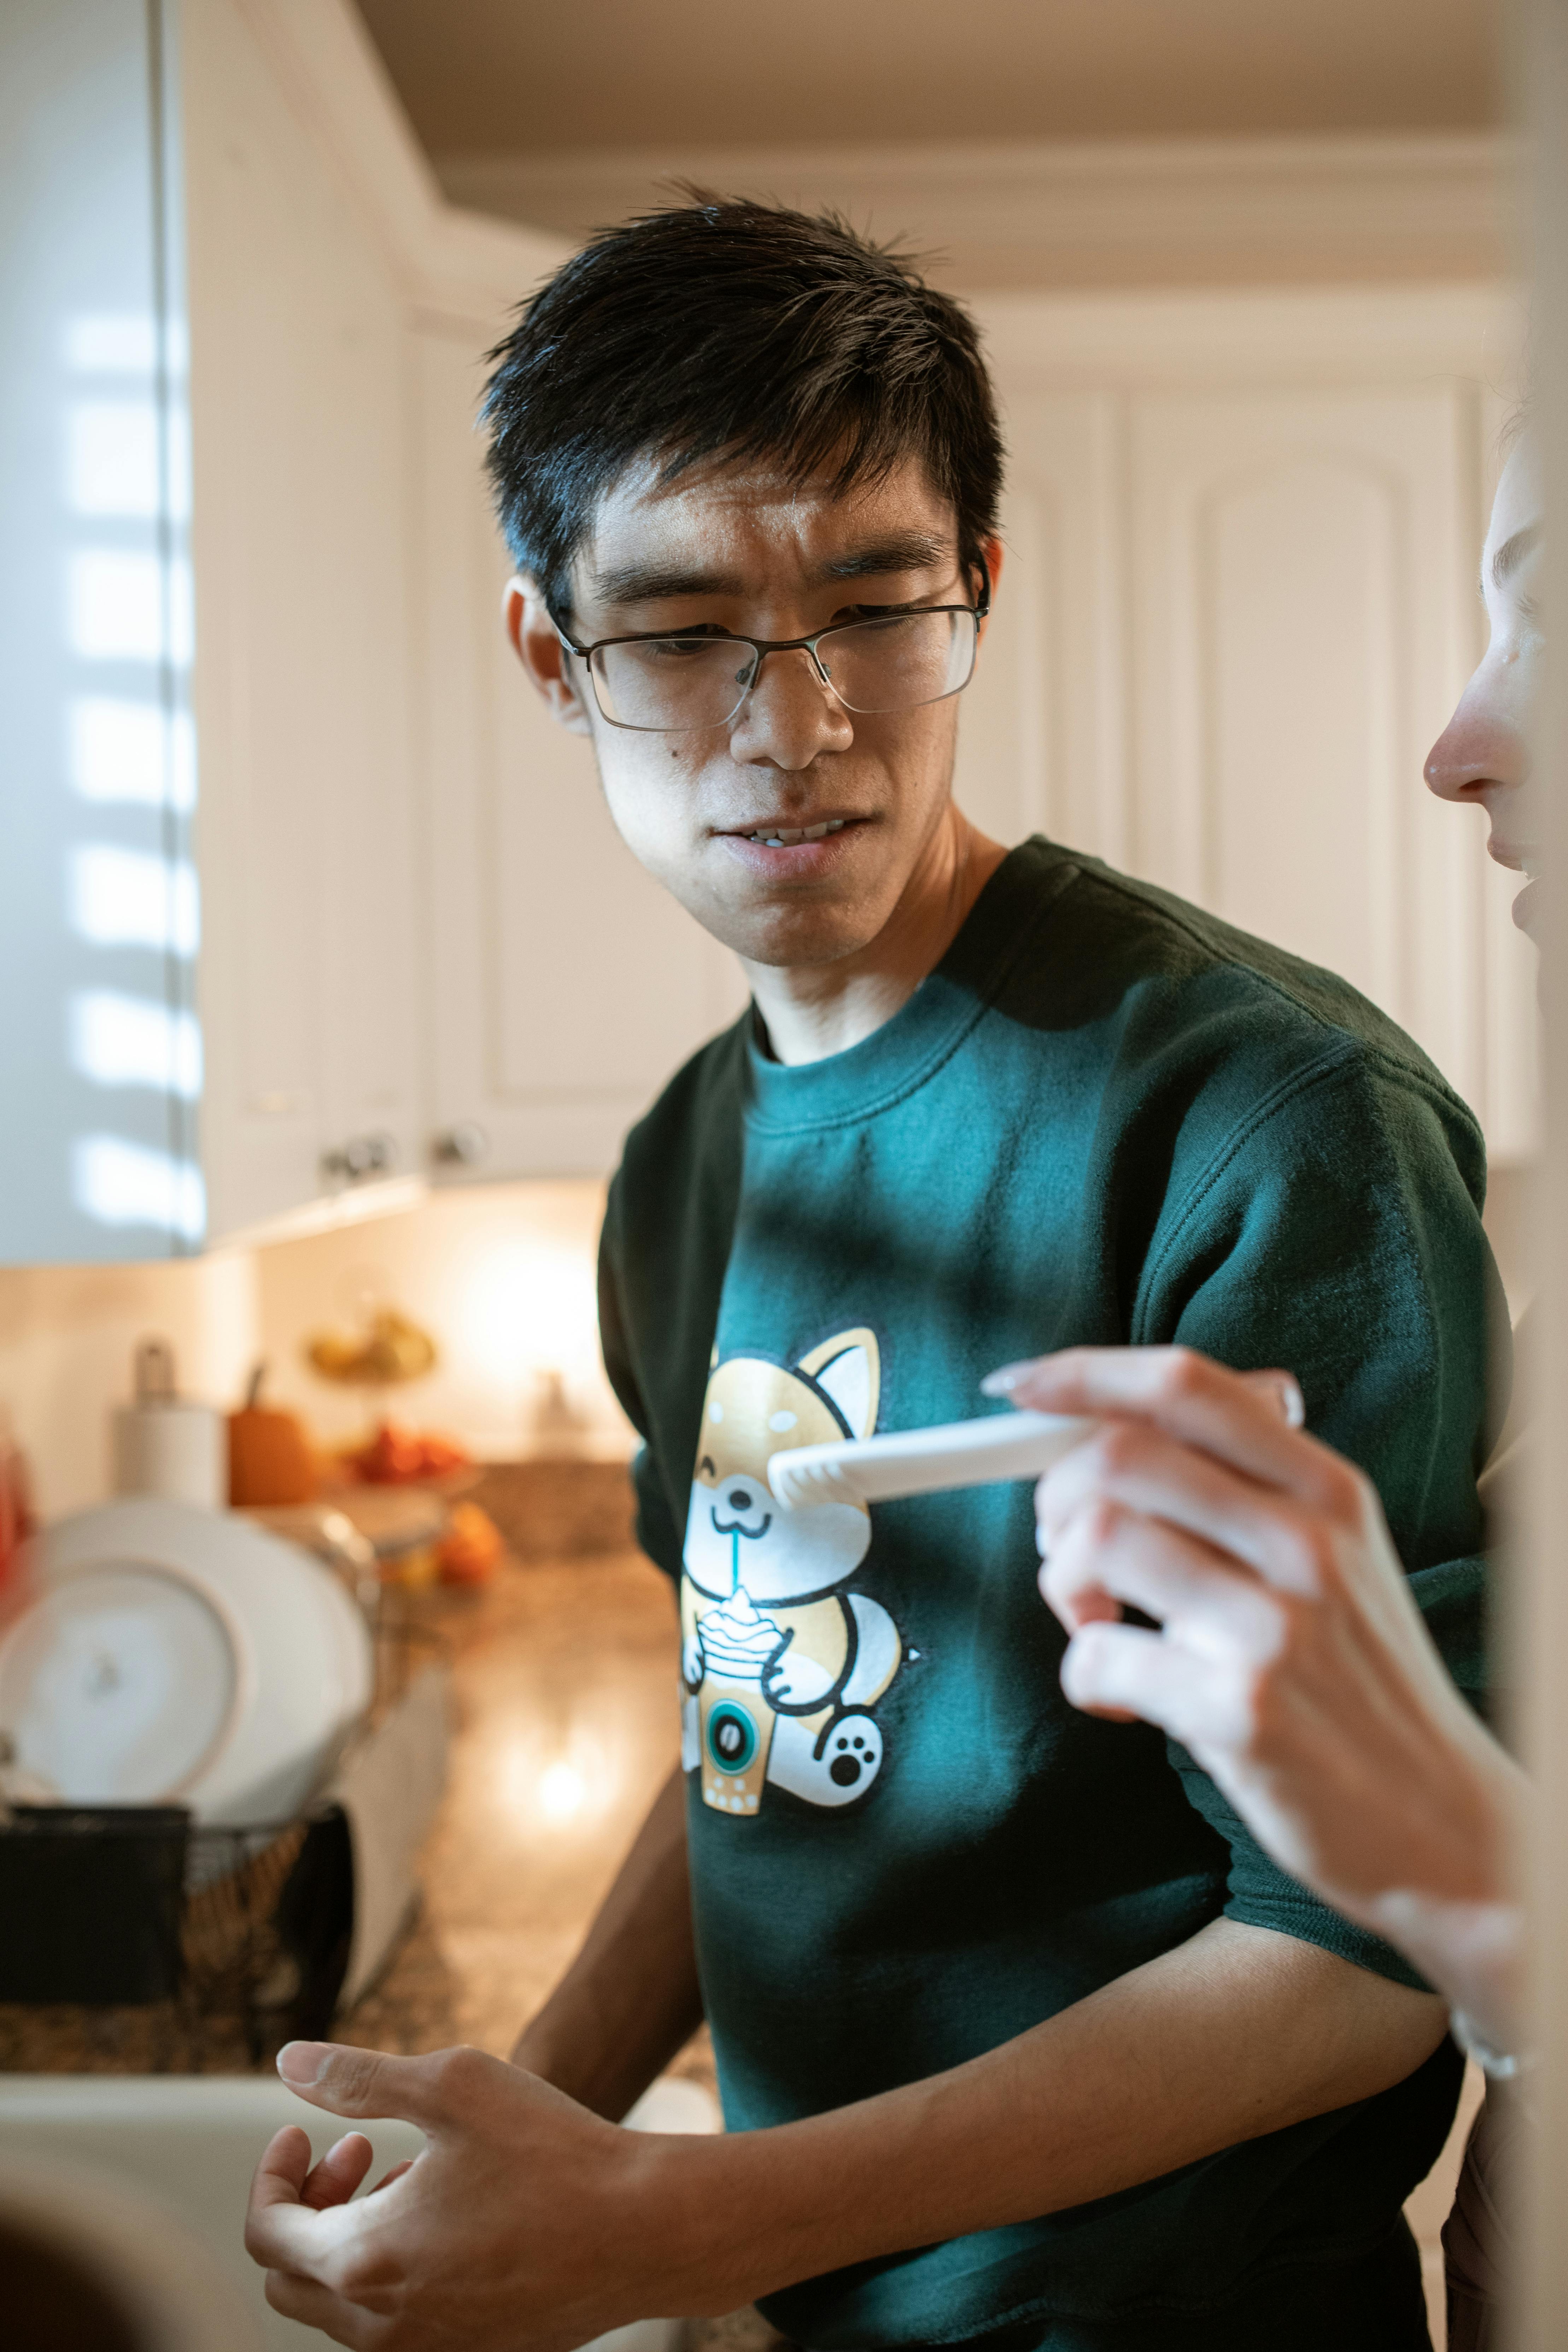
(562, 1723)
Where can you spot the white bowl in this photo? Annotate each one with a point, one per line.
(168, 1655)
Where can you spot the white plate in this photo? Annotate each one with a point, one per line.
(171, 1654)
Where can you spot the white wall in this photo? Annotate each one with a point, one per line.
(67, 1333)
(503, 1275)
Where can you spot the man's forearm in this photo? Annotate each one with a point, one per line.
(631, 1997)
(1238, 2033)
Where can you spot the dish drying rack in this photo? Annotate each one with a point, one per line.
(138, 1941)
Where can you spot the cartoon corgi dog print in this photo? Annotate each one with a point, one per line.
(780, 1666)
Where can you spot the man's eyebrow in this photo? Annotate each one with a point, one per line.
(904, 550)
(1513, 550)
(652, 582)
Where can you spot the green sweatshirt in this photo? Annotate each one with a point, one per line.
(1105, 1118)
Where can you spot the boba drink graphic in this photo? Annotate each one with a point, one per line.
(736, 1723)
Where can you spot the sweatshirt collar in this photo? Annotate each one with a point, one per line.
(894, 1060)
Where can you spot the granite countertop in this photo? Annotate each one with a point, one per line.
(564, 1681)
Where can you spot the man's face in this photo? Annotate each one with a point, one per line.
(1484, 752)
(740, 551)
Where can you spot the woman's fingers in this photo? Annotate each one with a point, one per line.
(1123, 1671)
(1251, 1420)
(1109, 1555)
(1137, 1464)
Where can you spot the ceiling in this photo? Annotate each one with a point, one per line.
(541, 78)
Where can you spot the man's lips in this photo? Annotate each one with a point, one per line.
(783, 833)
(777, 852)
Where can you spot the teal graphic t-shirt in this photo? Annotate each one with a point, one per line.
(1105, 1118)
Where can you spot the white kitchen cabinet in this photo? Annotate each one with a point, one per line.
(216, 923)
(1238, 602)
(301, 536)
(215, 905)
(99, 1058)
(330, 844)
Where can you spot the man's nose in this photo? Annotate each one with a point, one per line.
(789, 717)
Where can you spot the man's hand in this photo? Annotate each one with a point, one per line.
(525, 2225)
(1289, 1657)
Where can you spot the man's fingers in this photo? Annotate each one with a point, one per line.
(281, 2173)
(339, 2173)
(318, 2306)
(396, 2173)
(364, 2082)
(282, 2231)
(1251, 1420)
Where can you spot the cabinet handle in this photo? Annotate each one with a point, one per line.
(463, 1145)
(361, 1156)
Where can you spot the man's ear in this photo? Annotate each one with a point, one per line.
(993, 551)
(536, 642)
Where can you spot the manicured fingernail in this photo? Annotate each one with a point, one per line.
(1295, 1405)
(1001, 1382)
(301, 2061)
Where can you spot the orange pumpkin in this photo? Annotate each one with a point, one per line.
(269, 1457)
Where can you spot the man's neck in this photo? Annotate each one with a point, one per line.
(813, 1010)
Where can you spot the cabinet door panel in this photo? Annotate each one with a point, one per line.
(567, 985)
(1302, 573)
(1039, 738)
(300, 452)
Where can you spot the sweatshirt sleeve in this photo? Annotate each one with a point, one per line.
(656, 1533)
(1335, 1235)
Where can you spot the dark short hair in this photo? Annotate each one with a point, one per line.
(724, 328)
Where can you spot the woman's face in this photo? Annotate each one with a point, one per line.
(1484, 752)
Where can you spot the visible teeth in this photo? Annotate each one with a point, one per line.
(785, 836)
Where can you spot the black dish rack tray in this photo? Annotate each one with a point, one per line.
(136, 1943)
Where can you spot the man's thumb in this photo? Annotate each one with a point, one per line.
(358, 2082)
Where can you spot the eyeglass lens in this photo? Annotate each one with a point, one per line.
(668, 685)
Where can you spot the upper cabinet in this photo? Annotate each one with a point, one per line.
(100, 1063)
(305, 704)
(304, 889)
(1239, 602)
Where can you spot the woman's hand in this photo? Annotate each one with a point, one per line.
(1289, 1655)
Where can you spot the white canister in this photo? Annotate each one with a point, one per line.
(165, 1444)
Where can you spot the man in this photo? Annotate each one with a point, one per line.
(1019, 2034)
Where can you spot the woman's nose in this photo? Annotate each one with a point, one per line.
(1476, 749)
